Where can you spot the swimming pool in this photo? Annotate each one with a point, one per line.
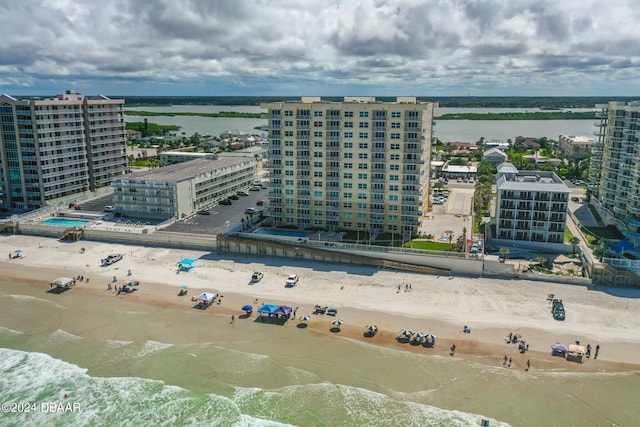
(64, 222)
(287, 233)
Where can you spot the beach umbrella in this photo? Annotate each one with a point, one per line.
(184, 287)
(134, 283)
(407, 333)
(337, 323)
(371, 328)
(247, 307)
(305, 318)
(420, 335)
(18, 251)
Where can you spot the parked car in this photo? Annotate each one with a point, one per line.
(203, 212)
(225, 202)
(242, 193)
(474, 248)
(260, 202)
(255, 188)
(257, 276)
(292, 281)
(575, 199)
(459, 180)
(112, 258)
(250, 211)
(234, 197)
(109, 209)
(557, 309)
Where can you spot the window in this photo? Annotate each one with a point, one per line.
(396, 114)
(288, 162)
(348, 165)
(288, 113)
(363, 135)
(393, 217)
(363, 145)
(347, 205)
(317, 184)
(395, 125)
(289, 201)
(395, 136)
(348, 145)
(347, 175)
(363, 166)
(348, 134)
(317, 164)
(395, 157)
(317, 133)
(318, 124)
(394, 167)
(288, 122)
(347, 185)
(348, 113)
(362, 186)
(393, 207)
(363, 155)
(288, 192)
(317, 154)
(317, 114)
(394, 177)
(364, 114)
(362, 206)
(362, 176)
(347, 195)
(364, 125)
(393, 197)
(348, 215)
(288, 143)
(288, 133)
(288, 182)
(288, 153)
(317, 174)
(347, 155)
(288, 173)
(394, 146)
(362, 196)
(317, 194)
(348, 124)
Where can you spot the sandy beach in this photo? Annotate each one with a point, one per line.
(491, 307)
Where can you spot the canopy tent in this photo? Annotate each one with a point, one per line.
(207, 297)
(284, 310)
(559, 349)
(186, 264)
(62, 282)
(268, 309)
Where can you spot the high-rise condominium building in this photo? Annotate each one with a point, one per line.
(353, 165)
(53, 148)
(614, 180)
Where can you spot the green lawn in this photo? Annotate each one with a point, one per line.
(429, 245)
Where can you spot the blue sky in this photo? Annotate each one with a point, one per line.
(322, 48)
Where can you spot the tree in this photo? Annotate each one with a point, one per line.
(504, 253)
(574, 241)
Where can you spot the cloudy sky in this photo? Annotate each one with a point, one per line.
(321, 47)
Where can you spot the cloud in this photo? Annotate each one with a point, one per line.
(289, 47)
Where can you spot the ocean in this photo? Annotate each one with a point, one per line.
(116, 362)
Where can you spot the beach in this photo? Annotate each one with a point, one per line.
(262, 371)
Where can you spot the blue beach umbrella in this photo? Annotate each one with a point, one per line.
(247, 307)
(305, 318)
(337, 323)
(185, 287)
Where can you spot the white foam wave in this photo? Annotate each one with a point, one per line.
(117, 343)
(37, 377)
(62, 335)
(8, 331)
(151, 347)
(30, 298)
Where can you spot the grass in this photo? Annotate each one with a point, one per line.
(608, 232)
(429, 245)
(595, 214)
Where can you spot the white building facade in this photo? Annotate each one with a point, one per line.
(531, 205)
(614, 180)
(359, 164)
(180, 190)
(53, 148)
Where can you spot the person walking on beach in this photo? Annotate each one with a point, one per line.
(528, 364)
(505, 360)
(453, 350)
(233, 318)
(595, 356)
(509, 365)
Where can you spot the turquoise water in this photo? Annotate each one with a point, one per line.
(63, 222)
(287, 233)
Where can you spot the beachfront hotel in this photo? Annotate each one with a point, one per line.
(51, 148)
(531, 205)
(182, 189)
(359, 164)
(614, 180)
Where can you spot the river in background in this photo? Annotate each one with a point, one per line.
(445, 130)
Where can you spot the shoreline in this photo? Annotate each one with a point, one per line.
(440, 306)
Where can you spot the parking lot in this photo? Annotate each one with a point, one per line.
(453, 215)
(221, 218)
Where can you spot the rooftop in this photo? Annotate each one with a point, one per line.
(534, 181)
(183, 171)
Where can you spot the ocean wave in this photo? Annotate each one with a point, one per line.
(36, 299)
(37, 377)
(7, 331)
(151, 347)
(62, 335)
(117, 343)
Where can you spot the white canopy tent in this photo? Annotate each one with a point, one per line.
(62, 282)
(207, 297)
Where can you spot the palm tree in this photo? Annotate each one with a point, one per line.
(574, 241)
(504, 252)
